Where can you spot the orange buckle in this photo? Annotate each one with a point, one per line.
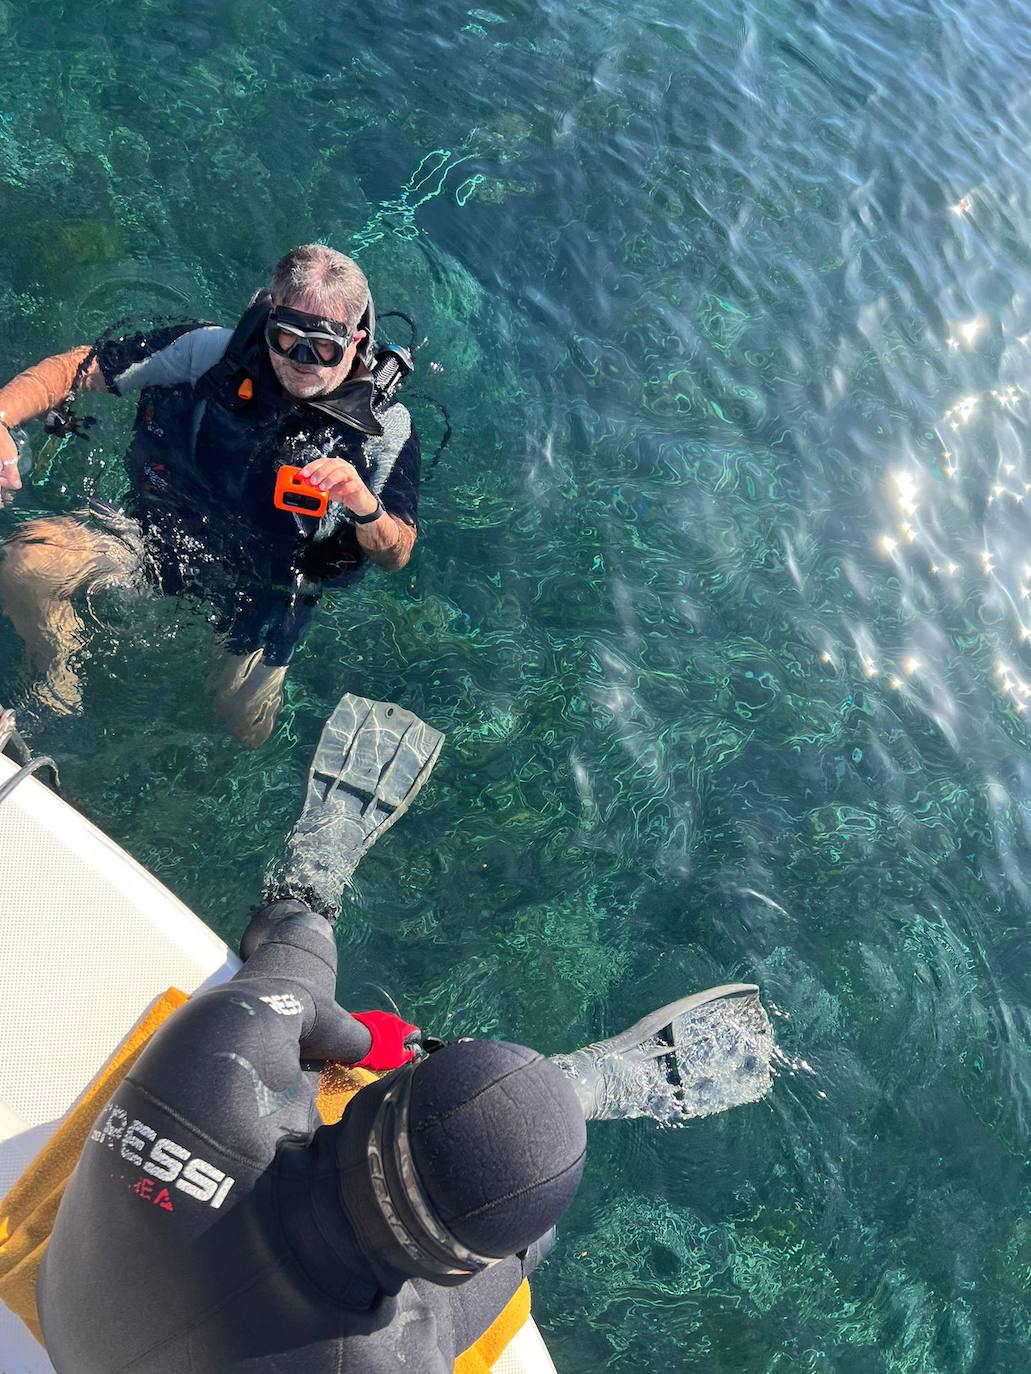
(294, 494)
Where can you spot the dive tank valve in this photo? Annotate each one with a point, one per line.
(393, 364)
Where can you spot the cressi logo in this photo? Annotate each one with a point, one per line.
(162, 1158)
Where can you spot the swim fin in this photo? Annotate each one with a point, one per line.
(691, 1058)
(372, 758)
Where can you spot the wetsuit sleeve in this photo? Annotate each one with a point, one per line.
(246, 1041)
(400, 494)
(165, 357)
(333, 556)
(290, 951)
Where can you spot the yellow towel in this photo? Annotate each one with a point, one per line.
(28, 1211)
(338, 1085)
(485, 1352)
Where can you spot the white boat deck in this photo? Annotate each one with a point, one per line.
(88, 939)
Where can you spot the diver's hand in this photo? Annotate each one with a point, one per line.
(340, 480)
(10, 478)
(394, 1042)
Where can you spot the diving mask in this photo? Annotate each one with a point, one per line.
(307, 340)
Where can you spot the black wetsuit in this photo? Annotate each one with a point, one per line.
(202, 1231)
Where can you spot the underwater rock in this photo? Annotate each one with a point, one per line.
(89, 240)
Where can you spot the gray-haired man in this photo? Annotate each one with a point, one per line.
(220, 411)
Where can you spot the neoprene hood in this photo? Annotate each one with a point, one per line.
(465, 1158)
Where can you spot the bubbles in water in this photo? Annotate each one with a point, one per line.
(720, 1057)
(723, 1055)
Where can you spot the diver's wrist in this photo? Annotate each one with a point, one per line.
(10, 449)
(366, 517)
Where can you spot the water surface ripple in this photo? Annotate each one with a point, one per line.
(723, 595)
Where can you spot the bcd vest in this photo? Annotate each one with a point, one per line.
(203, 459)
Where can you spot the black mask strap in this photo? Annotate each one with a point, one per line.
(400, 1195)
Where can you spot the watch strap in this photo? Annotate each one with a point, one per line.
(372, 515)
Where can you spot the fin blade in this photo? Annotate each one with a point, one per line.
(371, 761)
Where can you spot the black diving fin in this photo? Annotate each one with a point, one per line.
(691, 1058)
(372, 759)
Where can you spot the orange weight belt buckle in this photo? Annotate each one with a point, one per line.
(296, 495)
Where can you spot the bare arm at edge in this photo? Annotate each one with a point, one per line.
(32, 393)
(39, 388)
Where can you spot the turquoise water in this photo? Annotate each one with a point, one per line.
(721, 596)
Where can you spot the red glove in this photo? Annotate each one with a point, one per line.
(393, 1040)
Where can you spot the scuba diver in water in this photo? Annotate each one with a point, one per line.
(214, 1224)
(299, 382)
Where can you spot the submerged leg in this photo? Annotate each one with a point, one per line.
(42, 566)
(260, 631)
(248, 695)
